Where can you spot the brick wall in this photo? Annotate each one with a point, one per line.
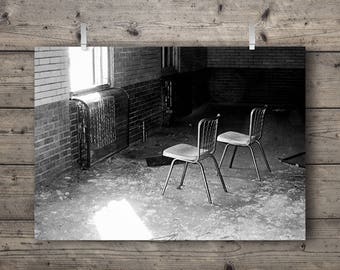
(52, 139)
(249, 86)
(193, 59)
(273, 76)
(74, 142)
(138, 72)
(135, 70)
(52, 121)
(262, 57)
(135, 65)
(51, 78)
(145, 105)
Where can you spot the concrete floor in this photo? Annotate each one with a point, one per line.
(120, 198)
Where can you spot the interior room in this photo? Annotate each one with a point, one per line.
(107, 121)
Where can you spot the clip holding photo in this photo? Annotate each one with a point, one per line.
(251, 36)
(83, 36)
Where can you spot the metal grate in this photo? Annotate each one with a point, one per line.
(102, 122)
(96, 122)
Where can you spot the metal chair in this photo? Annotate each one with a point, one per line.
(239, 139)
(206, 145)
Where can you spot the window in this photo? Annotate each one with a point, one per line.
(89, 68)
(170, 58)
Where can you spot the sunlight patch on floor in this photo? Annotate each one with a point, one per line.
(118, 221)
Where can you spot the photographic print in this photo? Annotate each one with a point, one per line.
(170, 143)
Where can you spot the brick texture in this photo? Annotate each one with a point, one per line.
(249, 86)
(145, 105)
(262, 57)
(52, 139)
(138, 72)
(52, 121)
(51, 76)
(193, 59)
(273, 76)
(135, 65)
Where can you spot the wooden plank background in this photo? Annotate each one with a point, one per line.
(313, 24)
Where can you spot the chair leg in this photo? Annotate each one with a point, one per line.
(168, 177)
(205, 182)
(223, 155)
(232, 157)
(254, 160)
(183, 175)
(264, 155)
(219, 173)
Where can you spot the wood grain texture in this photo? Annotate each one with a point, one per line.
(16, 136)
(25, 24)
(17, 191)
(20, 251)
(16, 180)
(323, 191)
(322, 136)
(16, 79)
(322, 80)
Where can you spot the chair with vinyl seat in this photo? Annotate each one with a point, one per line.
(246, 140)
(206, 145)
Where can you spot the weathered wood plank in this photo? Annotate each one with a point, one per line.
(322, 136)
(16, 79)
(17, 185)
(16, 121)
(323, 191)
(310, 23)
(314, 24)
(16, 136)
(316, 229)
(16, 149)
(17, 207)
(16, 180)
(322, 147)
(323, 229)
(19, 250)
(322, 80)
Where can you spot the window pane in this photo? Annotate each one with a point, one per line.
(105, 65)
(81, 71)
(88, 68)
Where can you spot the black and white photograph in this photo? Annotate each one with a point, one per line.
(169, 143)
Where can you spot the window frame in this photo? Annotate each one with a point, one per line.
(96, 88)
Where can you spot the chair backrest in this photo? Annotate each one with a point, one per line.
(207, 134)
(256, 123)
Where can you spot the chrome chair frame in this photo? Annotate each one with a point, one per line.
(206, 146)
(255, 134)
